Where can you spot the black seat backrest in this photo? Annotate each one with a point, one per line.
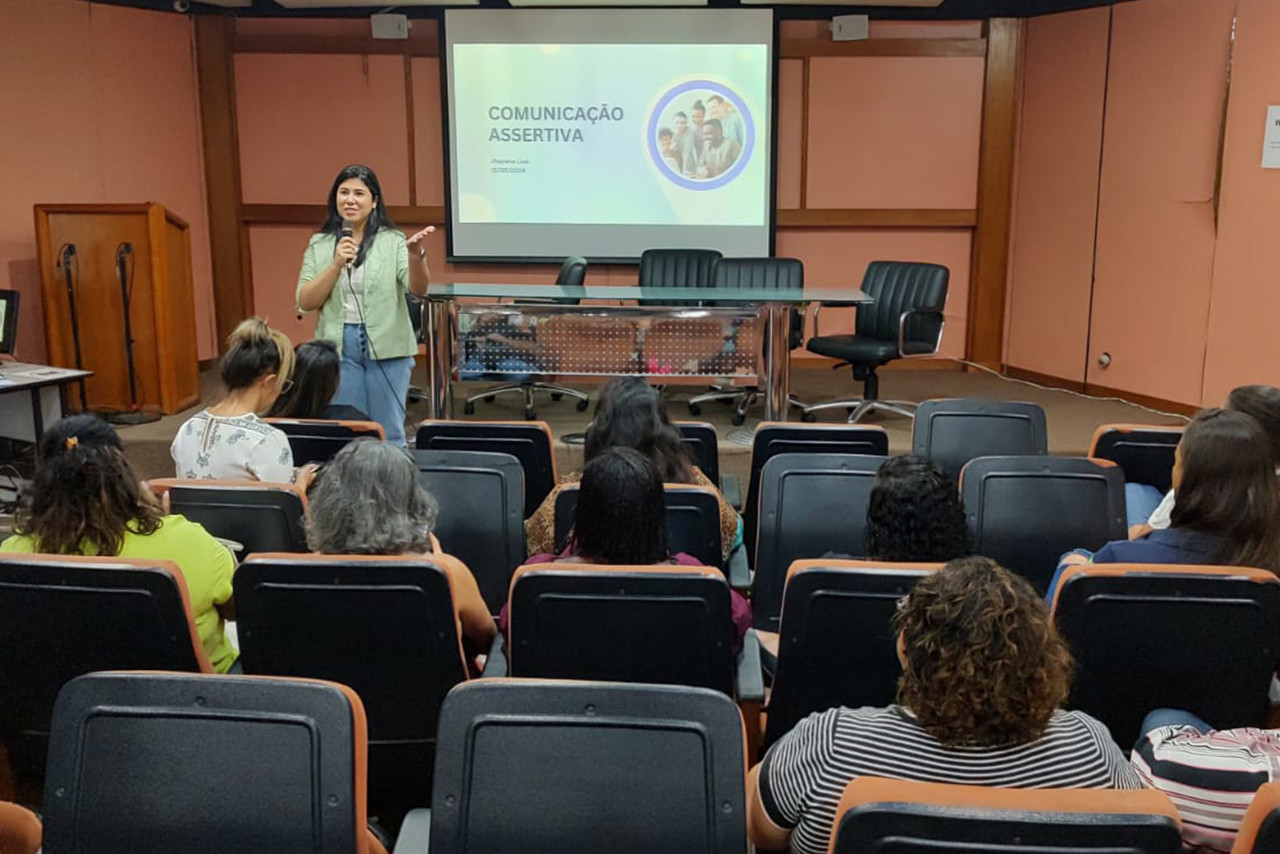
(783, 274)
(1025, 512)
(266, 518)
(810, 505)
(665, 625)
(416, 304)
(480, 519)
(1148, 637)
(774, 438)
(562, 766)
(158, 763)
(703, 444)
(384, 626)
(836, 644)
(896, 287)
(693, 521)
(316, 441)
(952, 431)
(678, 268)
(1144, 454)
(573, 272)
(61, 617)
(529, 442)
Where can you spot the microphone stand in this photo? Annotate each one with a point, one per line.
(64, 261)
(135, 415)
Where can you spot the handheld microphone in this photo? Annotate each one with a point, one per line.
(65, 255)
(348, 230)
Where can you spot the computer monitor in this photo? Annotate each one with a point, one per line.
(8, 320)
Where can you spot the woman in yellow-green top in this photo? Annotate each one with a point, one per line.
(86, 499)
(355, 272)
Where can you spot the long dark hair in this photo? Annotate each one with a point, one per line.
(631, 414)
(378, 218)
(1263, 403)
(316, 369)
(915, 514)
(621, 517)
(1229, 488)
(85, 494)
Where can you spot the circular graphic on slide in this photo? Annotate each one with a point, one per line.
(700, 135)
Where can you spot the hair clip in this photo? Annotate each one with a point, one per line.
(72, 441)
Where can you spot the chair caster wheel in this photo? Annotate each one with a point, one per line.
(490, 398)
(739, 420)
(695, 409)
(808, 417)
(582, 405)
(530, 415)
(555, 395)
(469, 408)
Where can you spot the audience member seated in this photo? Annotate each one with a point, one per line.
(1210, 776)
(367, 501)
(86, 499)
(1260, 401)
(914, 514)
(984, 674)
(316, 369)
(227, 441)
(631, 414)
(621, 520)
(1226, 502)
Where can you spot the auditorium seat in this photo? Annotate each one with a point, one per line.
(1025, 512)
(933, 818)
(385, 626)
(20, 830)
(1143, 452)
(528, 441)
(771, 438)
(480, 516)
(261, 517)
(669, 625)
(61, 617)
(532, 766)
(703, 443)
(952, 431)
(315, 440)
(836, 643)
(1260, 829)
(810, 505)
(158, 763)
(1145, 636)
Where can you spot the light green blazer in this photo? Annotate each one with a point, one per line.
(386, 279)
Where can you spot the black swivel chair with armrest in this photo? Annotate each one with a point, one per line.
(678, 268)
(573, 272)
(904, 321)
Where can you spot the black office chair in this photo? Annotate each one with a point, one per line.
(385, 626)
(783, 274)
(529, 443)
(1144, 452)
(155, 763)
(536, 766)
(678, 268)
(314, 440)
(905, 321)
(573, 272)
(952, 431)
(836, 643)
(908, 817)
(772, 438)
(262, 517)
(1025, 512)
(1148, 636)
(810, 505)
(480, 519)
(61, 617)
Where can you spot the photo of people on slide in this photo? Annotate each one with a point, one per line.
(701, 135)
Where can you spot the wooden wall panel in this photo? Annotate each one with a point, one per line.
(790, 138)
(429, 132)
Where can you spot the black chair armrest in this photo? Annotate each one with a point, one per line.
(902, 330)
(731, 489)
(415, 833)
(750, 672)
(495, 664)
(737, 570)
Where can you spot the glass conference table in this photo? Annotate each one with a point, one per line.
(517, 333)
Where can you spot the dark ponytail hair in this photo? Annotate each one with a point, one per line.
(621, 517)
(85, 494)
(254, 350)
(1263, 403)
(378, 217)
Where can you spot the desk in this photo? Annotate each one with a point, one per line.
(535, 332)
(45, 397)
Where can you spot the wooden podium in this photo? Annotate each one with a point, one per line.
(162, 307)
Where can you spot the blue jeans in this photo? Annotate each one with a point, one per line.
(1140, 501)
(376, 386)
(1171, 717)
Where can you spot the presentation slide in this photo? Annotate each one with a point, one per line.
(606, 132)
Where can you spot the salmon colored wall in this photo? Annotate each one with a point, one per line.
(99, 106)
(1051, 264)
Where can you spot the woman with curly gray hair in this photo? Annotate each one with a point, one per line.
(368, 502)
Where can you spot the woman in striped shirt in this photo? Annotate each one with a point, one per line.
(984, 673)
